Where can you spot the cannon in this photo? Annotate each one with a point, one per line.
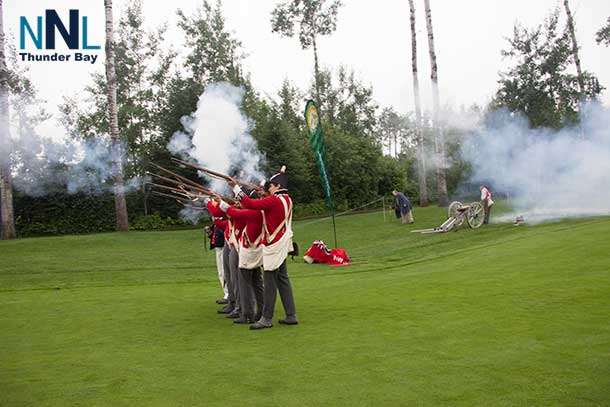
(457, 214)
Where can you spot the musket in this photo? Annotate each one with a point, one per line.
(161, 177)
(180, 177)
(182, 201)
(215, 174)
(183, 185)
(182, 192)
(228, 200)
(203, 190)
(212, 194)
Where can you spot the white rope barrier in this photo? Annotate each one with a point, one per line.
(343, 213)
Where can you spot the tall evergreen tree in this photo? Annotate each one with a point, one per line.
(314, 18)
(349, 103)
(603, 35)
(539, 84)
(392, 129)
(214, 53)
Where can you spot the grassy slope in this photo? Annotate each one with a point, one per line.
(501, 316)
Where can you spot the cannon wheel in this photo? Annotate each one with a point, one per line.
(475, 215)
(452, 212)
(453, 207)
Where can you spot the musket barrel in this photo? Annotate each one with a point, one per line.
(184, 179)
(181, 200)
(214, 173)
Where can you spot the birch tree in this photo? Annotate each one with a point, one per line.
(421, 157)
(439, 142)
(581, 82)
(6, 185)
(313, 19)
(122, 223)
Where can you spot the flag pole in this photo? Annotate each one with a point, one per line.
(334, 228)
(316, 138)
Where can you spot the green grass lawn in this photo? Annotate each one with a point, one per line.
(500, 316)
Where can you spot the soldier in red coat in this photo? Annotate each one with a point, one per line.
(277, 224)
(250, 260)
(233, 231)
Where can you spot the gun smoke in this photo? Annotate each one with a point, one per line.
(41, 165)
(217, 136)
(548, 174)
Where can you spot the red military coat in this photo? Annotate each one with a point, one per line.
(252, 235)
(277, 211)
(234, 227)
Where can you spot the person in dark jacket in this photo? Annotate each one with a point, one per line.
(403, 207)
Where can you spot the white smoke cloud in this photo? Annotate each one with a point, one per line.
(551, 174)
(42, 165)
(217, 135)
(191, 215)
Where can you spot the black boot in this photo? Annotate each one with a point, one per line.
(226, 310)
(262, 324)
(233, 314)
(289, 320)
(244, 319)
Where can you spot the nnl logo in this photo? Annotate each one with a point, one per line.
(52, 21)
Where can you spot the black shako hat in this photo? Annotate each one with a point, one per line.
(280, 178)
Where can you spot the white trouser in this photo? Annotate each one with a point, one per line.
(221, 271)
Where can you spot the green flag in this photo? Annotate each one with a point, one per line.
(314, 129)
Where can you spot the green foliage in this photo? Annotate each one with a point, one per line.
(156, 222)
(348, 103)
(154, 96)
(214, 56)
(214, 53)
(459, 171)
(603, 35)
(359, 173)
(60, 213)
(313, 209)
(395, 131)
(142, 70)
(538, 85)
(313, 17)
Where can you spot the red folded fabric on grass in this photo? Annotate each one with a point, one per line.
(320, 253)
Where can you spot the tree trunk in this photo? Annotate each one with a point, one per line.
(7, 217)
(439, 142)
(122, 223)
(419, 134)
(395, 145)
(581, 83)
